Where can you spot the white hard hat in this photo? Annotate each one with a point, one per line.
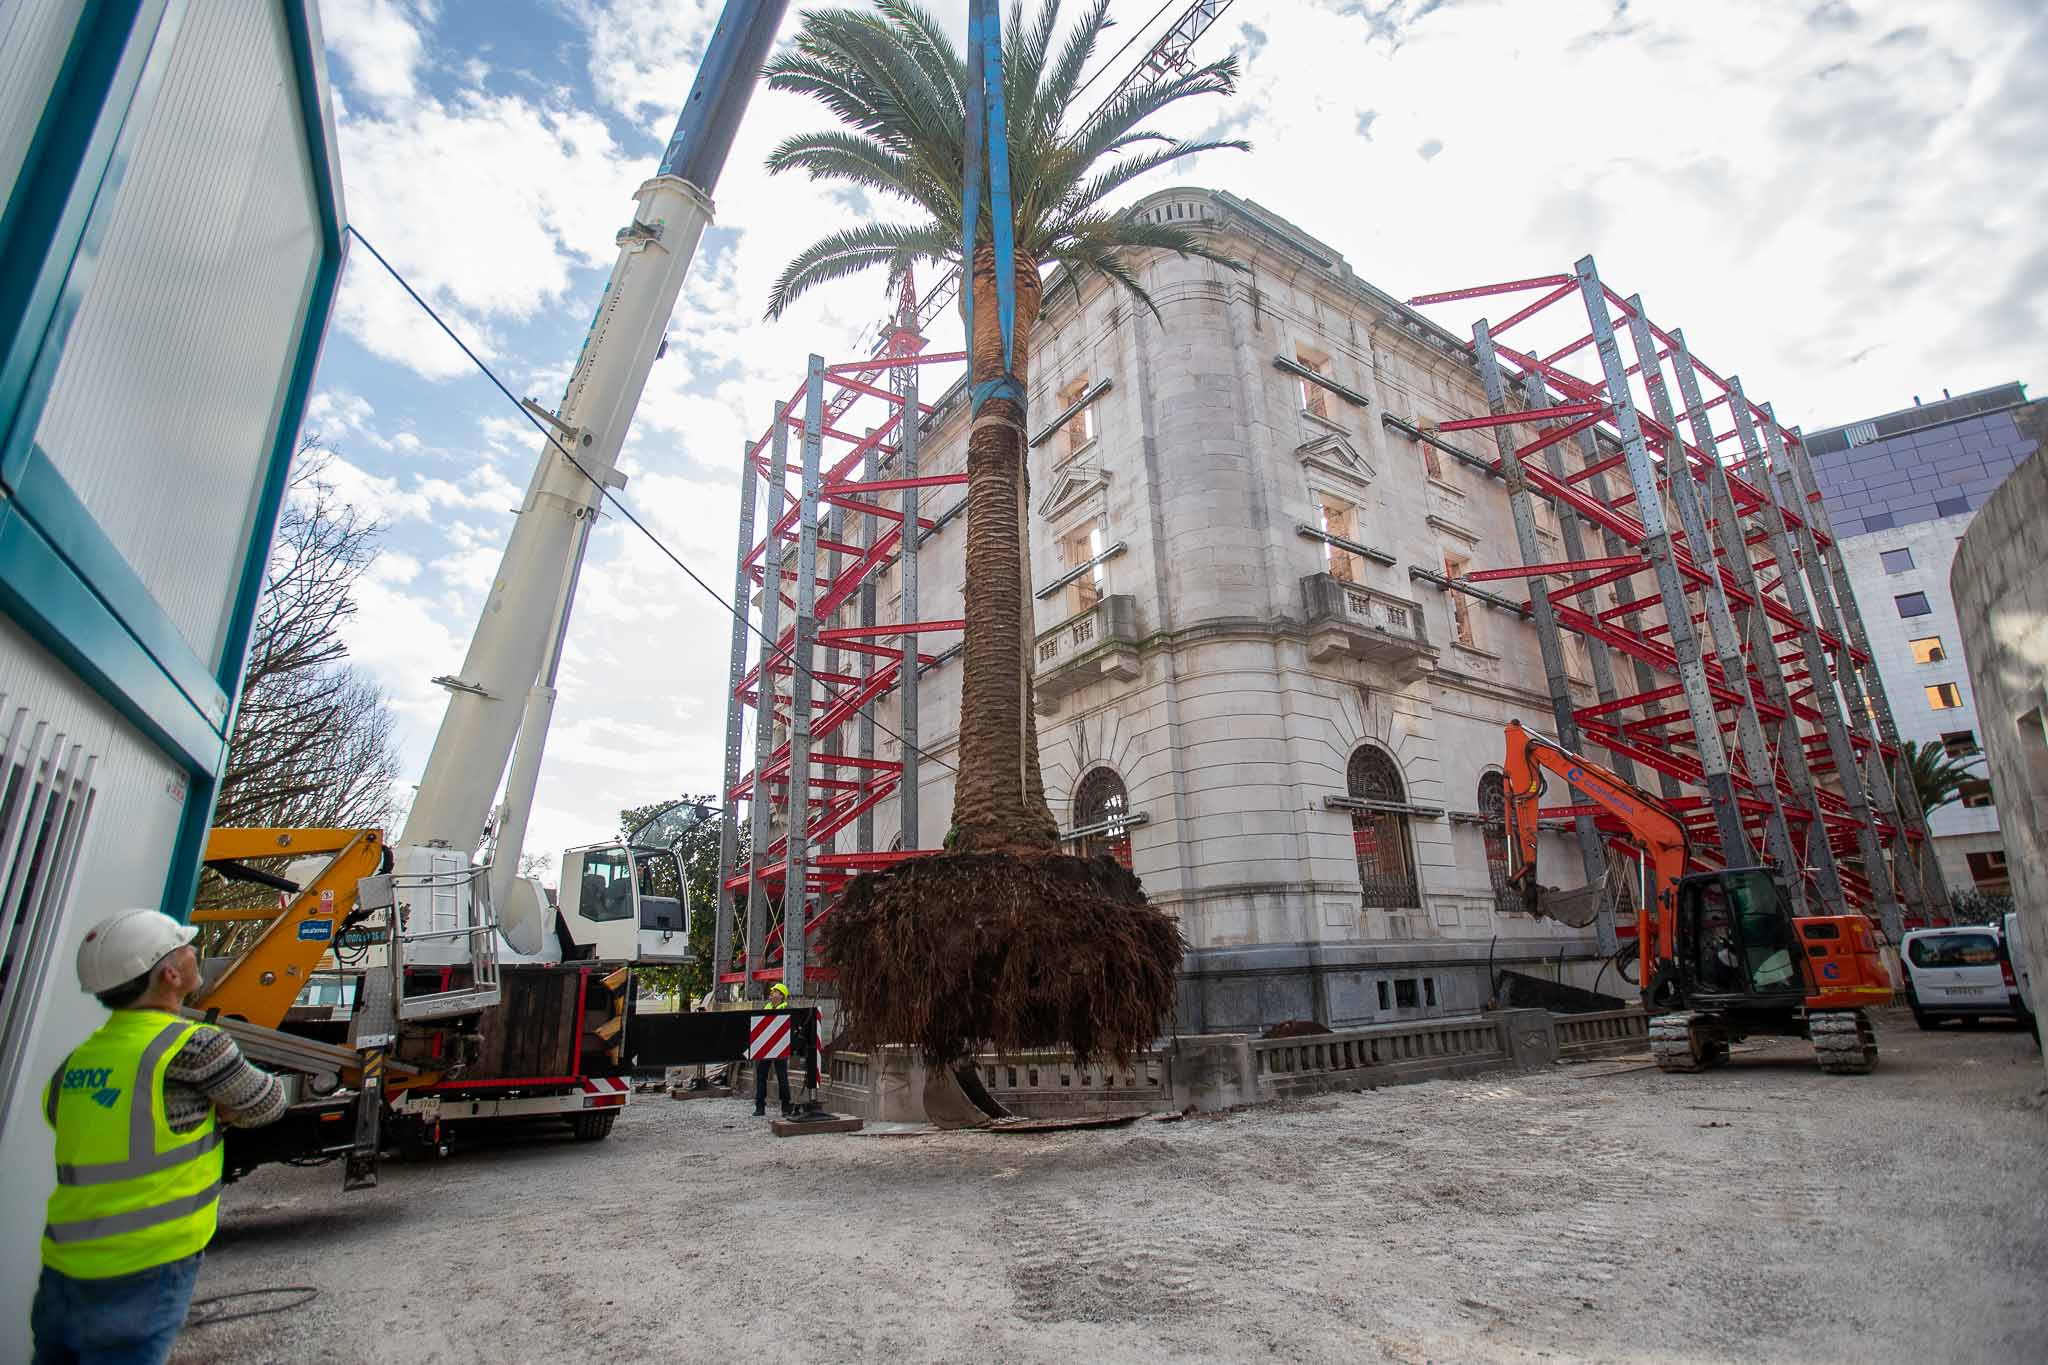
(124, 945)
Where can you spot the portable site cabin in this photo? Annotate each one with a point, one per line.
(170, 245)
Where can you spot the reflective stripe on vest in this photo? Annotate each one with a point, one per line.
(143, 1158)
(132, 1192)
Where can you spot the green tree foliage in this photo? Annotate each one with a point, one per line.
(695, 844)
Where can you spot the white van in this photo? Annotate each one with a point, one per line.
(1960, 973)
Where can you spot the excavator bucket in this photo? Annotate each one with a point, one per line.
(1577, 907)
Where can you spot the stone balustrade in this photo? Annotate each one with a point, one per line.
(1603, 1033)
(1089, 646)
(1208, 1072)
(1366, 623)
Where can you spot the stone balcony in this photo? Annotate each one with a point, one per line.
(1366, 623)
(1099, 643)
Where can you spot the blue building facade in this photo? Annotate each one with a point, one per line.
(170, 246)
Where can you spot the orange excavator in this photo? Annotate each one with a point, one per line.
(1720, 952)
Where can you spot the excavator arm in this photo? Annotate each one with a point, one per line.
(1652, 826)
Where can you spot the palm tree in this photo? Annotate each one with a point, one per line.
(899, 87)
(1937, 777)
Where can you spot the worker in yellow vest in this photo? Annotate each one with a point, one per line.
(778, 999)
(136, 1110)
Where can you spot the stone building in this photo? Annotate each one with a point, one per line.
(2001, 598)
(1903, 489)
(1252, 683)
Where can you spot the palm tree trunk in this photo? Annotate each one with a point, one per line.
(999, 797)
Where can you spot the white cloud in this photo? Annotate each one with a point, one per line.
(1796, 185)
(378, 43)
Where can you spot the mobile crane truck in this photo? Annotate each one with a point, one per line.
(486, 1002)
(1720, 953)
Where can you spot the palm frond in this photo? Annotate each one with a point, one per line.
(893, 76)
(857, 249)
(1097, 188)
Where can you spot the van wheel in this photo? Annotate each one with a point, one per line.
(1924, 1020)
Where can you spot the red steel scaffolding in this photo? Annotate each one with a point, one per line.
(1699, 560)
(834, 525)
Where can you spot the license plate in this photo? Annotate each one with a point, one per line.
(428, 1110)
(1969, 990)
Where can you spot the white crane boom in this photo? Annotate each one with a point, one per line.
(506, 686)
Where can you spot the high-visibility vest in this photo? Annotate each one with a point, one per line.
(131, 1193)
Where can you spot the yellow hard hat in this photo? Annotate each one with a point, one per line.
(779, 991)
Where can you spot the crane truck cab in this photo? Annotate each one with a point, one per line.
(625, 902)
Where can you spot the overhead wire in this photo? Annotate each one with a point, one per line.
(776, 652)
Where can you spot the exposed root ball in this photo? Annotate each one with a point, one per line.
(960, 952)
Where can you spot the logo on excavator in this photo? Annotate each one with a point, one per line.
(1832, 971)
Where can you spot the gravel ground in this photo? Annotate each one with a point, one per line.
(1593, 1212)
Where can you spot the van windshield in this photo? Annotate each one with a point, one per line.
(1954, 950)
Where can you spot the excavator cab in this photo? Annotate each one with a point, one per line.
(1736, 941)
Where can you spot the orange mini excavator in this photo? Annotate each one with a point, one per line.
(1721, 955)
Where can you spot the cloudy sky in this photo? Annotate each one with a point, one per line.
(1840, 201)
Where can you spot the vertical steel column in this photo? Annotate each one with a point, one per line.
(1657, 548)
(864, 824)
(1926, 886)
(1589, 452)
(735, 722)
(1749, 732)
(906, 610)
(1575, 548)
(1863, 798)
(795, 898)
(1931, 889)
(1756, 626)
(761, 807)
(1592, 849)
(832, 526)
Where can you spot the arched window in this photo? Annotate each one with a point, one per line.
(1493, 812)
(1380, 837)
(1100, 805)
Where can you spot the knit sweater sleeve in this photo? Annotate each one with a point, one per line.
(211, 1064)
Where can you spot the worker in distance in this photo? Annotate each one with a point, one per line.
(137, 1109)
(778, 999)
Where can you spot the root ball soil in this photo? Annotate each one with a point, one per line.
(960, 952)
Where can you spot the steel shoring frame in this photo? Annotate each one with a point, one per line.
(1869, 803)
(759, 808)
(817, 802)
(1658, 549)
(1922, 871)
(798, 836)
(864, 828)
(1728, 645)
(905, 380)
(735, 722)
(1764, 612)
(1592, 847)
(1763, 652)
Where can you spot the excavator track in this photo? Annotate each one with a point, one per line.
(1843, 1042)
(1685, 1042)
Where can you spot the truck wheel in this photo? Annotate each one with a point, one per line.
(1926, 1020)
(594, 1126)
